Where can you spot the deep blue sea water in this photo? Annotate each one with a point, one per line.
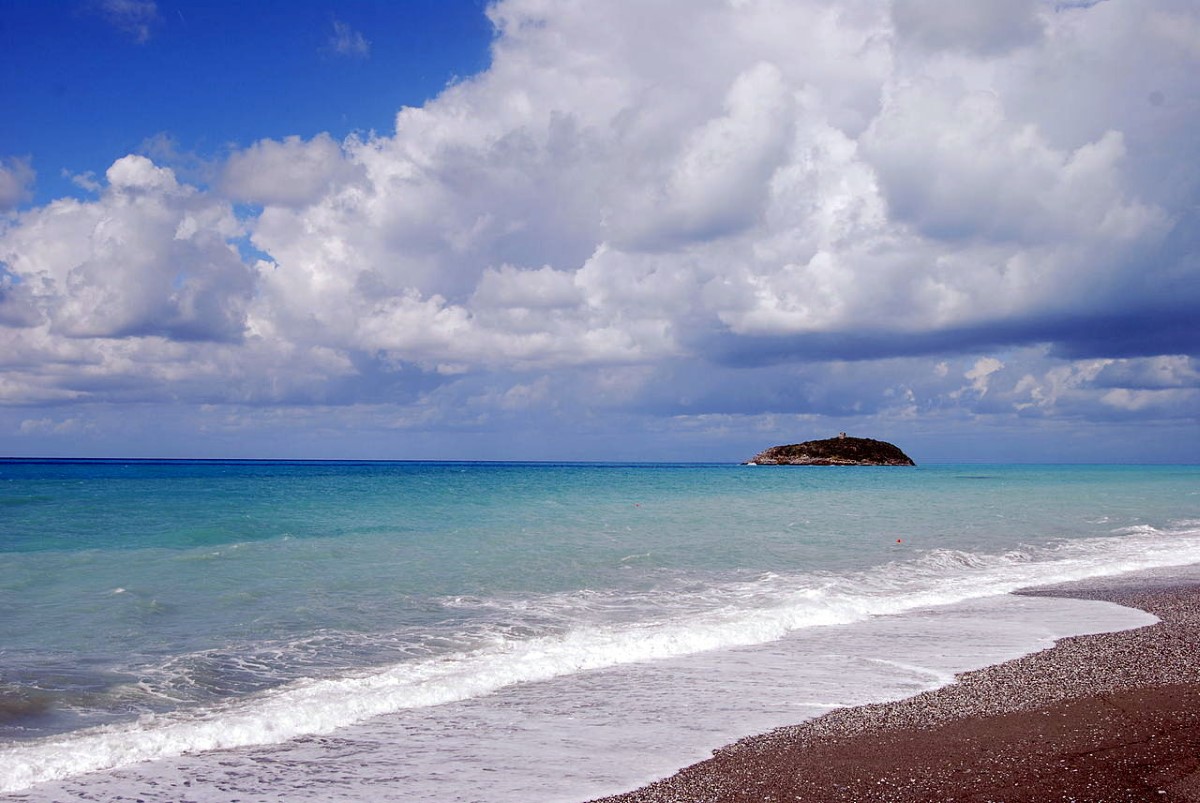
(379, 623)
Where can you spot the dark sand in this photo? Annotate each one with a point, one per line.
(1109, 717)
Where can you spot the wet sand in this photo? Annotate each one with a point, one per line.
(1108, 717)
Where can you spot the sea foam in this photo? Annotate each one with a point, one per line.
(724, 616)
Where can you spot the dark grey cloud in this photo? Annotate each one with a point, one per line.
(1140, 333)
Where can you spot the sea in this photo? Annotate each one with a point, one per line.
(459, 631)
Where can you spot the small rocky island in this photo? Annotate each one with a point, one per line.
(839, 451)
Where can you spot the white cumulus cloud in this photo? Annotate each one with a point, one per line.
(150, 257)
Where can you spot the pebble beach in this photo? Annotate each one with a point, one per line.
(1106, 717)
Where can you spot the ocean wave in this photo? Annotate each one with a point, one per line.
(578, 632)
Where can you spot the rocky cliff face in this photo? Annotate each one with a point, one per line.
(839, 451)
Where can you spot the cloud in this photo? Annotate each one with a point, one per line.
(346, 41)
(85, 181)
(290, 172)
(1162, 402)
(150, 257)
(984, 27)
(164, 150)
(984, 367)
(1154, 373)
(67, 426)
(1178, 28)
(718, 182)
(777, 209)
(136, 18)
(16, 181)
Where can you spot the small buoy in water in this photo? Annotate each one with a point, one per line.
(898, 541)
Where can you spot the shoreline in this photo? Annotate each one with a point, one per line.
(1103, 717)
(970, 740)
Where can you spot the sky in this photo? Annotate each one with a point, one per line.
(651, 230)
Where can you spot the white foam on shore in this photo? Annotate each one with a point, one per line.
(602, 732)
(734, 616)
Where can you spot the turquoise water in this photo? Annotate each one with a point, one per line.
(162, 608)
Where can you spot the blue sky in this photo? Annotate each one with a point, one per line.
(539, 229)
(92, 80)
